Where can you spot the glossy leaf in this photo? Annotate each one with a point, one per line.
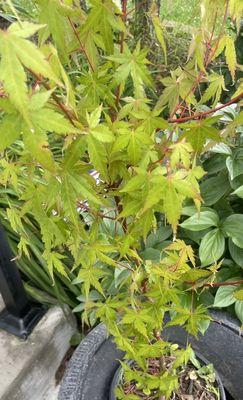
(225, 296)
(232, 226)
(201, 221)
(212, 247)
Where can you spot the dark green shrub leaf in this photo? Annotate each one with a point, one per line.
(212, 247)
(159, 236)
(201, 221)
(213, 189)
(239, 310)
(239, 192)
(236, 253)
(215, 163)
(225, 296)
(235, 163)
(150, 254)
(232, 227)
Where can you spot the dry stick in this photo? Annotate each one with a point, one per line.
(205, 113)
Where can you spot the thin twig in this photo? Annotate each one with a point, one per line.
(217, 284)
(80, 43)
(95, 213)
(205, 113)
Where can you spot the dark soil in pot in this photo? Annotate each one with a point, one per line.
(192, 385)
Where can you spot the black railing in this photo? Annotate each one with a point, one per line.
(20, 314)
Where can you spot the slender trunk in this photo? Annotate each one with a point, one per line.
(142, 29)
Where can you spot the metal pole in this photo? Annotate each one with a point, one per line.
(20, 314)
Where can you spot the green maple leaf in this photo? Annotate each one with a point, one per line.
(51, 121)
(214, 89)
(17, 53)
(90, 276)
(53, 14)
(54, 262)
(150, 120)
(230, 55)
(177, 86)
(9, 130)
(172, 204)
(197, 133)
(98, 155)
(134, 65)
(69, 199)
(36, 143)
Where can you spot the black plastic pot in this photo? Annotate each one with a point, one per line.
(91, 370)
(118, 377)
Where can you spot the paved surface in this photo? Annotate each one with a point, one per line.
(52, 392)
(28, 367)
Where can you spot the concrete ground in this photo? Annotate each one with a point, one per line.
(52, 392)
(28, 367)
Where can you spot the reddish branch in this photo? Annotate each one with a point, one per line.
(80, 43)
(66, 111)
(217, 284)
(95, 213)
(205, 113)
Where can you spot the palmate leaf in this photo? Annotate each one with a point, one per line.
(9, 130)
(230, 55)
(25, 29)
(181, 152)
(101, 19)
(97, 154)
(100, 132)
(150, 120)
(177, 86)
(54, 262)
(160, 34)
(37, 144)
(14, 78)
(197, 133)
(49, 120)
(214, 89)
(90, 277)
(172, 204)
(133, 64)
(53, 14)
(69, 200)
(175, 192)
(17, 52)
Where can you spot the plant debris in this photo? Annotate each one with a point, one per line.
(195, 384)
